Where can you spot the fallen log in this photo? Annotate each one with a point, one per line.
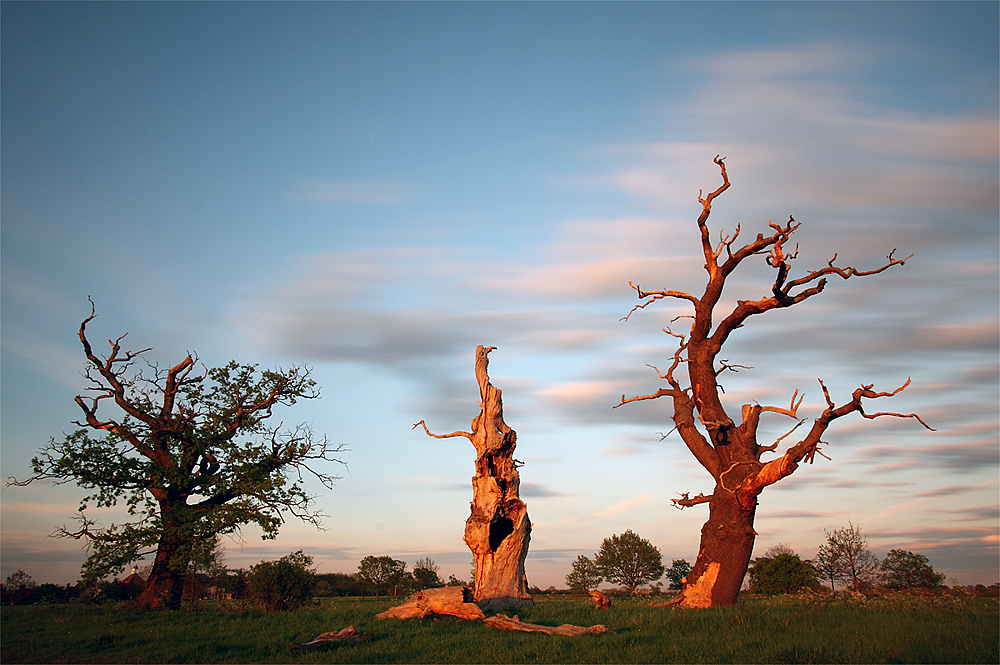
(506, 623)
(348, 634)
(451, 600)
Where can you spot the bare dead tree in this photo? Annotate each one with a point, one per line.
(729, 451)
(498, 529)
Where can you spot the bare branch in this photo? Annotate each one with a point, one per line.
(654, 296)
(710, 253)
(686, 502)
(791, 411)
(467, 435)
(807, 449)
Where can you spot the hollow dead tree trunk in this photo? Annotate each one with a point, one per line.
(498, 529)
(727, 450)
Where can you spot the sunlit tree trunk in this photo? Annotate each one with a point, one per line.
(498, 529)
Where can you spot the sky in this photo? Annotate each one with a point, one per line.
(375, 189)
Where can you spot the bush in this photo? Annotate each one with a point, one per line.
(784, 573)
(285, 584)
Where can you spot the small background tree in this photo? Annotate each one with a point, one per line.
(846, 557)
(902, 569)
(17, 587)
(425, 574)
(676, 573)
(285, 584)
(630, 560)
(782, 573)
(585, 575)
(380, 571)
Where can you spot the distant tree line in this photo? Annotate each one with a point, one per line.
(291, 581)
(844, 558)
(284, 584)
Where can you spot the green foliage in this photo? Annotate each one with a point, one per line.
(678, 570)
(285, 584)
(585, 575)
(381, 571)
(902, 569)
(784, 573)
(338, 584)
(630, 560)
(425, 574)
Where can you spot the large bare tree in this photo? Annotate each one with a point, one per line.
(498, 529)
(729, 450)
(191, 456)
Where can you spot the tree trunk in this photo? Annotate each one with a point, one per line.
(498, 529)
(165, 585)
(727, 540)
(454, 600)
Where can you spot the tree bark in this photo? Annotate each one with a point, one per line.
(498, 529)
(568, 630)
(165, 586)
(601, 602)
(452, 600)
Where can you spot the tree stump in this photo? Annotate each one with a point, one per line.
(453, 600)
(601, 601)
(498, 529)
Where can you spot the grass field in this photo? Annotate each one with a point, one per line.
(758, 630)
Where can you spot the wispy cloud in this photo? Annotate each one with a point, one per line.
(625, 506)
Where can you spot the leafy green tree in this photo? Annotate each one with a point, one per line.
(845, 557)
(585, 575)
(425, 574)
(191, 457)
(285, 584)
(380, 571)
(630, 560)
(784, 573)
(902, 569)
(678, 570)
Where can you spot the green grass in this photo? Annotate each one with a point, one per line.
(758, 630)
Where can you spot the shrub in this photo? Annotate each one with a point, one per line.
(285, 584)
(784, 573)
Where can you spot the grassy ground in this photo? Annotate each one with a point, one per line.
(758, 630)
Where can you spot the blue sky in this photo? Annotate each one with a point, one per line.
(374, 189)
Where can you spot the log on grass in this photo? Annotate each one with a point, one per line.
(504, 622)
(348, 634)
(451, 600)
